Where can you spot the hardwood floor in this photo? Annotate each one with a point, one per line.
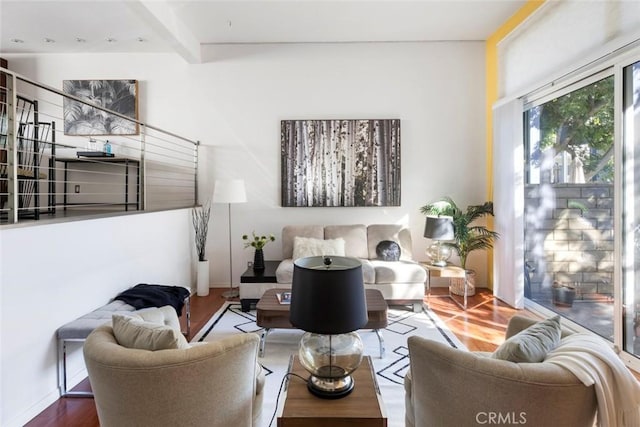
(481, 328)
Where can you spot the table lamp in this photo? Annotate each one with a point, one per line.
(439, 229)
(328, 303)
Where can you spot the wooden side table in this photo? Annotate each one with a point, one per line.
(362, 407)
(449, 271)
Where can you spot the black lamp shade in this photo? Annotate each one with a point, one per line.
(439, 228)
(327, 297)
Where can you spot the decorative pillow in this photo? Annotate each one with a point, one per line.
(388, 250)
(531, 345)
(133, 332)
(306, 246)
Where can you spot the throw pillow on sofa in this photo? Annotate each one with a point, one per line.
(388, 250)
(532, 344)
(305, 247)
(132, 331)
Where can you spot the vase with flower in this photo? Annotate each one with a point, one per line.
(200, 218)
(258, 243)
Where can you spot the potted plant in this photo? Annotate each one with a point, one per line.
(563, 293)
(258, 243)
(467, 237)
(200, 218)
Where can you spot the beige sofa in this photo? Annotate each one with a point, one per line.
(206, 384)
(400, 282)
(449, 387)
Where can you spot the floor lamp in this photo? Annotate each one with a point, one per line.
(230, 191)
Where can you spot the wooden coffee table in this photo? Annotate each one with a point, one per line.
(270, 314)
(362, 407)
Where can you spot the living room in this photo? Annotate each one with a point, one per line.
(233, 102)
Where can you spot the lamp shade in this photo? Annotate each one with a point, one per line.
(229, 191)
(327, 295)
(439, 228)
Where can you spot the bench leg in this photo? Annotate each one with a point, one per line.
(188, 310)
(62, 371)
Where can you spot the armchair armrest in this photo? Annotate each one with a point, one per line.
(449, 387)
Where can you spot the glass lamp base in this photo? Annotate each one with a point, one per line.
(330, 389)
(330, 359)
(439, 254)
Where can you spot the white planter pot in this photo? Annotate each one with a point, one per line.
(203, 278)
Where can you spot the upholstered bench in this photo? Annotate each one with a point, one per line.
(77, 331)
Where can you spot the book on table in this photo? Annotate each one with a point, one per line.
(284, 297)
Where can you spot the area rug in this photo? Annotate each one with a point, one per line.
(282, 343)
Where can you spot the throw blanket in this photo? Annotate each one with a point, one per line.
(143, 296)
(594, 362)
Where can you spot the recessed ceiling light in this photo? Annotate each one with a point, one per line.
(17, 40)
(80, 40)
(110, 39)
(48, 40)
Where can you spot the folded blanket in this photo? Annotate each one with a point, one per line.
(594, 362)
(144, 295)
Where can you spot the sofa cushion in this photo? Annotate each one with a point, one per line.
(355, 239)
(131, 331)
(284, 272)
(368, 271)
(388, 250)
(398, 272)
(290, 231)
(532, 344)
(376, 233)
(305, 247)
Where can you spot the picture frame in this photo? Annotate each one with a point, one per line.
(120, 96)
(340, 163)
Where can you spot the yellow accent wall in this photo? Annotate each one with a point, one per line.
(491, 74)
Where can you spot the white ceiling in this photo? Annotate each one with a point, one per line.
(184, 26)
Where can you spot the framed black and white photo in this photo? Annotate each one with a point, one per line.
(340, 162)
(120, 96)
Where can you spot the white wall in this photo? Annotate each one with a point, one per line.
(233, 104)
(52, 274)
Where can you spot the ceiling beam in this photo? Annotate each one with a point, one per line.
(161, 18)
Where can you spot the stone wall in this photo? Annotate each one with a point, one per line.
(569, 236)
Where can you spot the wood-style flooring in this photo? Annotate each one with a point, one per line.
(481, 328)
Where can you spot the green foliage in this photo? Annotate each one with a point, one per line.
(257, 242)
(580, 123)
(467, 237)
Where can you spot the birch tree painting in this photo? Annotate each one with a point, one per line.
(340, 162)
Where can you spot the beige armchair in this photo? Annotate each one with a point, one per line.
(450, 387)
(211, 384)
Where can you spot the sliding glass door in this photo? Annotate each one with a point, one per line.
(569, 203)
(582, 203)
